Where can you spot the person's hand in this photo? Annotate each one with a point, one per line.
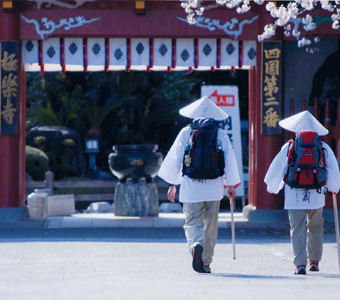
(231, 192)
(171, 193)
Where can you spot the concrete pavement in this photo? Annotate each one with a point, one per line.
(148, 264)
(249, 218)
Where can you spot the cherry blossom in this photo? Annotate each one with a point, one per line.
(284, 15)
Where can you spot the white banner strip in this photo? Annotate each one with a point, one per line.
(118, 53)
(30, 52)
(96, 53)
(185, 53)
(140, 52)
(207, 52)
(229, 53)
(74, 54)
(249, 53)
(52, 55)
(162, 53)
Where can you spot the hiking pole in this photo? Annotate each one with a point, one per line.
(232, 226)
(336, 220)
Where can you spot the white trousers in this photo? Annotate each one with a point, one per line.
(307, 238)
(201, 226)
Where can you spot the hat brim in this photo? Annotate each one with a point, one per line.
(303, 121)
(203, 108)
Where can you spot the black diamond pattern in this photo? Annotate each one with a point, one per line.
(230, 49)
(29, 46)
(185, 55)
(118, 54)
(51, 52)
(163, 49)
(207, 49)
(252, 53)
(73, 48)
(140, 48)
(96, 48)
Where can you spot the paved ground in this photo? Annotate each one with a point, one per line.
(101, 256)
(153, 263)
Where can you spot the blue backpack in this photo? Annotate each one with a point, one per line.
(202, 158)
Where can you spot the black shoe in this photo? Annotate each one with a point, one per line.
(207, 269)
(313, 266)
(197, 262)
(300, 270)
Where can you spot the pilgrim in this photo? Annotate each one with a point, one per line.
(200, 197)
(304, 205)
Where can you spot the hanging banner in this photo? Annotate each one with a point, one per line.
(8, 87)
(271, 87)
(226, 98)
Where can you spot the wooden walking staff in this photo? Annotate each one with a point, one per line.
(232, 221)
(232, 226)
(336, 220)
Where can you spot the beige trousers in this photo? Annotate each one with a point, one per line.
(201, 225)
(307, 238)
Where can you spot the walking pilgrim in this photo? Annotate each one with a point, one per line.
(304, 189)
(200, 196)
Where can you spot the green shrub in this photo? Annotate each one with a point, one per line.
(37, 163)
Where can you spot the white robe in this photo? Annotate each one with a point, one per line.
(301, 198)
(195, 190)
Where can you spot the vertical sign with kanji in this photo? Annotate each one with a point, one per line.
(271, 87)
(8, 87)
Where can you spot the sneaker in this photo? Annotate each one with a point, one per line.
(197, 262)
(207, 269)
(313, 266)
(300, 270)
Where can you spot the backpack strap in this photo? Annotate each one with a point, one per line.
(290, 150)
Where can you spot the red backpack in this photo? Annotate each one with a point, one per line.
(306, 162)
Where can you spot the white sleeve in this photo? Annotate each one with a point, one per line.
(332, 168)
(232, 176)
(171, 168)
(277, 170)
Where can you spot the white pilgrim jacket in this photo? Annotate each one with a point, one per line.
(296, 198)
(198, 190)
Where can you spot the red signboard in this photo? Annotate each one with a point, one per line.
(223, 100)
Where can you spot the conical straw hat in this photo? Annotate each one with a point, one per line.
(303, 121)
(203, 108)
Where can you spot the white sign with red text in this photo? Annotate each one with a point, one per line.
(226, 98)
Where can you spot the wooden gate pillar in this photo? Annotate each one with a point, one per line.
(262, 148)
(13, 99)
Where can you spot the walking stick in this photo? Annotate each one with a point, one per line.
(232, 226)
(336, 220)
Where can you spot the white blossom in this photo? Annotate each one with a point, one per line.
(200, 11)
(326, 5)
(296, 33)
(284, 15)
(270, 6)
(303, 42)
(244, 8)
(269, 31)
(307, 4)
(288, 27)
(286, 33)
(336, 16)
(308, 22)
(335, 24)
